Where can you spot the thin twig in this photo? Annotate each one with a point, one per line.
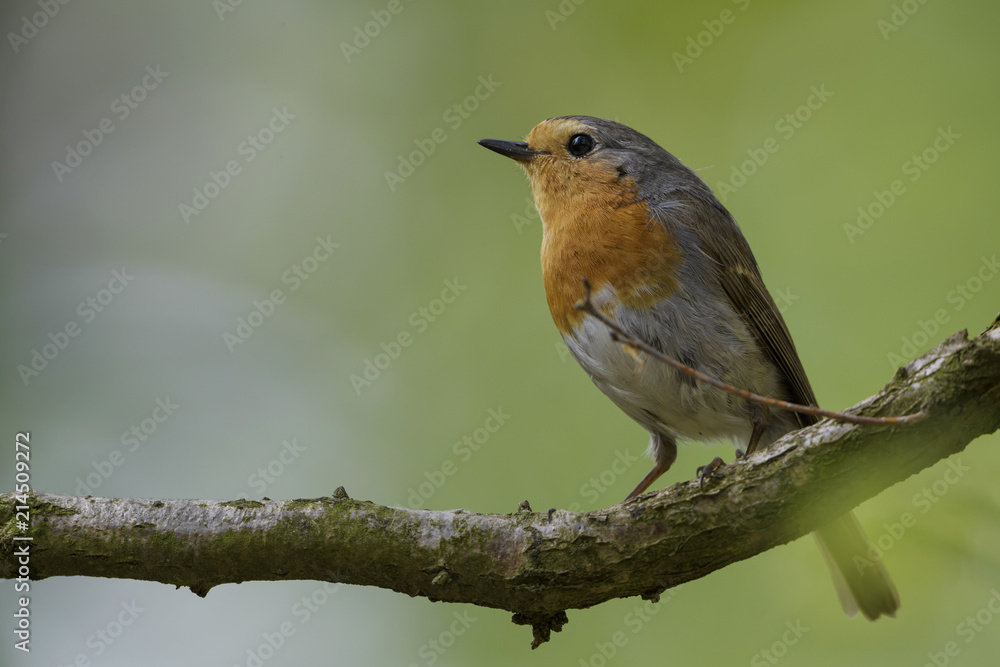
(618, 335)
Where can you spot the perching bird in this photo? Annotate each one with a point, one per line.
(669, 264)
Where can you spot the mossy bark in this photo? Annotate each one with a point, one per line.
(534, 564)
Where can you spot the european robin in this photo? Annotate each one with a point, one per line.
(669, 264)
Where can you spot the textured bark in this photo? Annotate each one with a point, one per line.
(534, 564)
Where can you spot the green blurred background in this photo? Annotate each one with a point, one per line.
(851, 301)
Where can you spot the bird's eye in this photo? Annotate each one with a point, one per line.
(580, 144)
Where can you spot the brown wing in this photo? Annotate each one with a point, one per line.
(741, 281)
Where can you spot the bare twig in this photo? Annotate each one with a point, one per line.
(620, 336)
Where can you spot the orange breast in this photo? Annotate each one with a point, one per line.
(595, 228)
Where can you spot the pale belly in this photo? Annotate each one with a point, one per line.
(662, 399)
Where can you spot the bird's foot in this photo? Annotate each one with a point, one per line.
(709, 470)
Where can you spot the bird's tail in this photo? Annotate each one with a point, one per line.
(861, 581)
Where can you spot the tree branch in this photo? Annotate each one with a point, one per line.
(534, 564)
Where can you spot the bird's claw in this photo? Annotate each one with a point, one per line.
(709, 470)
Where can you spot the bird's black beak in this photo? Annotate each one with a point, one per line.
(515, 150)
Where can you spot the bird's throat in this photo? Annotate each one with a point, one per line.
(607, 237)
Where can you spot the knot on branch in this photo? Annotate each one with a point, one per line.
(542, 625)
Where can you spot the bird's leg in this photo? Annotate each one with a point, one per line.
(760, 418)
(664, 453)
(647, 481)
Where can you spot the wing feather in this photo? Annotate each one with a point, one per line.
(739, 277)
